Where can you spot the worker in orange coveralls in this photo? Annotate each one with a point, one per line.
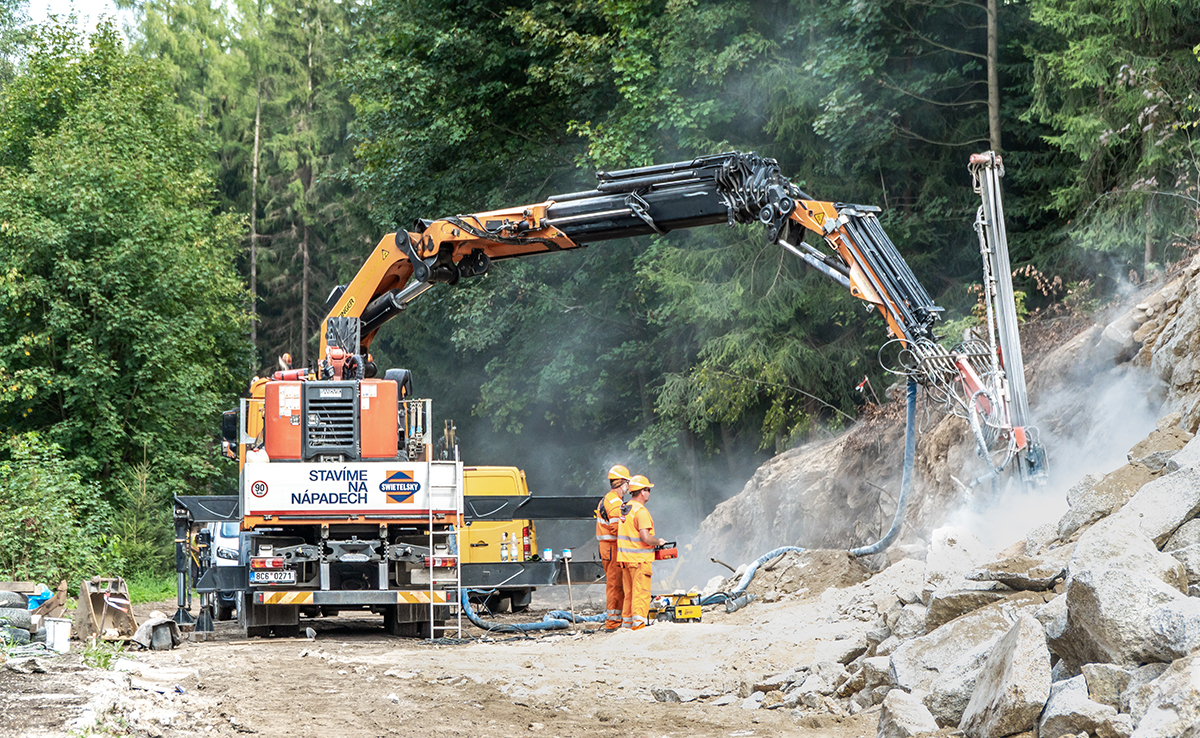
(635, 554)
(608, 517)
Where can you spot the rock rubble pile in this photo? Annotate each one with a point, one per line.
(1088, 628)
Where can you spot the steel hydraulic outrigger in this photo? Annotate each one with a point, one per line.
(981, 380)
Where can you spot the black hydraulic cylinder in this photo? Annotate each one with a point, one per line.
(610, 216)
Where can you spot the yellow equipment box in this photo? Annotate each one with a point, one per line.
(678, 607)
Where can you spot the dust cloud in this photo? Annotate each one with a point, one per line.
(1086, 429)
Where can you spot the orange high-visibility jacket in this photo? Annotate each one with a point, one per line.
(608, 516)
(630, 548)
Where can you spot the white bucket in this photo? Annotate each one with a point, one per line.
(58, 634)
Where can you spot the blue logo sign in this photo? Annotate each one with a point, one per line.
(399, 486)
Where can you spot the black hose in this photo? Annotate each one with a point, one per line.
(910, 452)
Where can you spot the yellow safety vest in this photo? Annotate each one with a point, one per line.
(630, 548)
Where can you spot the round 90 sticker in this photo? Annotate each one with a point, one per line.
(258, 489)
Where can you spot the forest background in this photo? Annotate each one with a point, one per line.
(178, 197)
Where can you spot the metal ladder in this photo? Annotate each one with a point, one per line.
(443, 543)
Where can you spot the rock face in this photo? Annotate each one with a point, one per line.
(903, 716)
(827, 494)
(1171, 348)
(959, 643)
(1013, 686)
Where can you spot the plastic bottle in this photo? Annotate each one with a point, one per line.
(504, 547)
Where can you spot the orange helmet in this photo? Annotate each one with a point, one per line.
(618, 472)
(639, 482)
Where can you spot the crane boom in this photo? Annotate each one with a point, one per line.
(731, 188)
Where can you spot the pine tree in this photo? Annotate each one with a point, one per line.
(309, 213)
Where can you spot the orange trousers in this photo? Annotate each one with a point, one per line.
(636, 581)
(614, 589)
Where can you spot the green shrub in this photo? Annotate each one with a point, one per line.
(143, 528)
(55, 523)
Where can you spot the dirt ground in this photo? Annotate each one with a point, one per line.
(352, 680)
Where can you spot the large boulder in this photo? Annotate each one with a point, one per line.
(946, 663)
(1117, 542)
(1176, 625)
(1125, 617)
(903, 716)
(1161, 506)
(946, 605)
(1169, 707)
(1095, 497)
(1013, 686)
(1069, 711)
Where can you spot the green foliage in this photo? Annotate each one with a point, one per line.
(143, 532)
(123, 316)
(1118, 82)
(54, 521)
(150, 587)
(697, 352)
(316, 228)
(100, 654)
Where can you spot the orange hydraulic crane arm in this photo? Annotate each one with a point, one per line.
(444, 250)
(731, 188)
(726, 188)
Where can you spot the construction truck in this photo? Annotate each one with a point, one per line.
(348, 500)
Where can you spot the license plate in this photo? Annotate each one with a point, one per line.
(283, 576)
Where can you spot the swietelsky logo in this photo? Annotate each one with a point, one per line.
(399, 486)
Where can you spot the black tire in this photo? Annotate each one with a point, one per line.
(287, 631)
(521, 599)
(15, 617)
(40, 636)
(15, 636)
(13, 599)
(498, 604)
(222, 612)
(258, 631)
